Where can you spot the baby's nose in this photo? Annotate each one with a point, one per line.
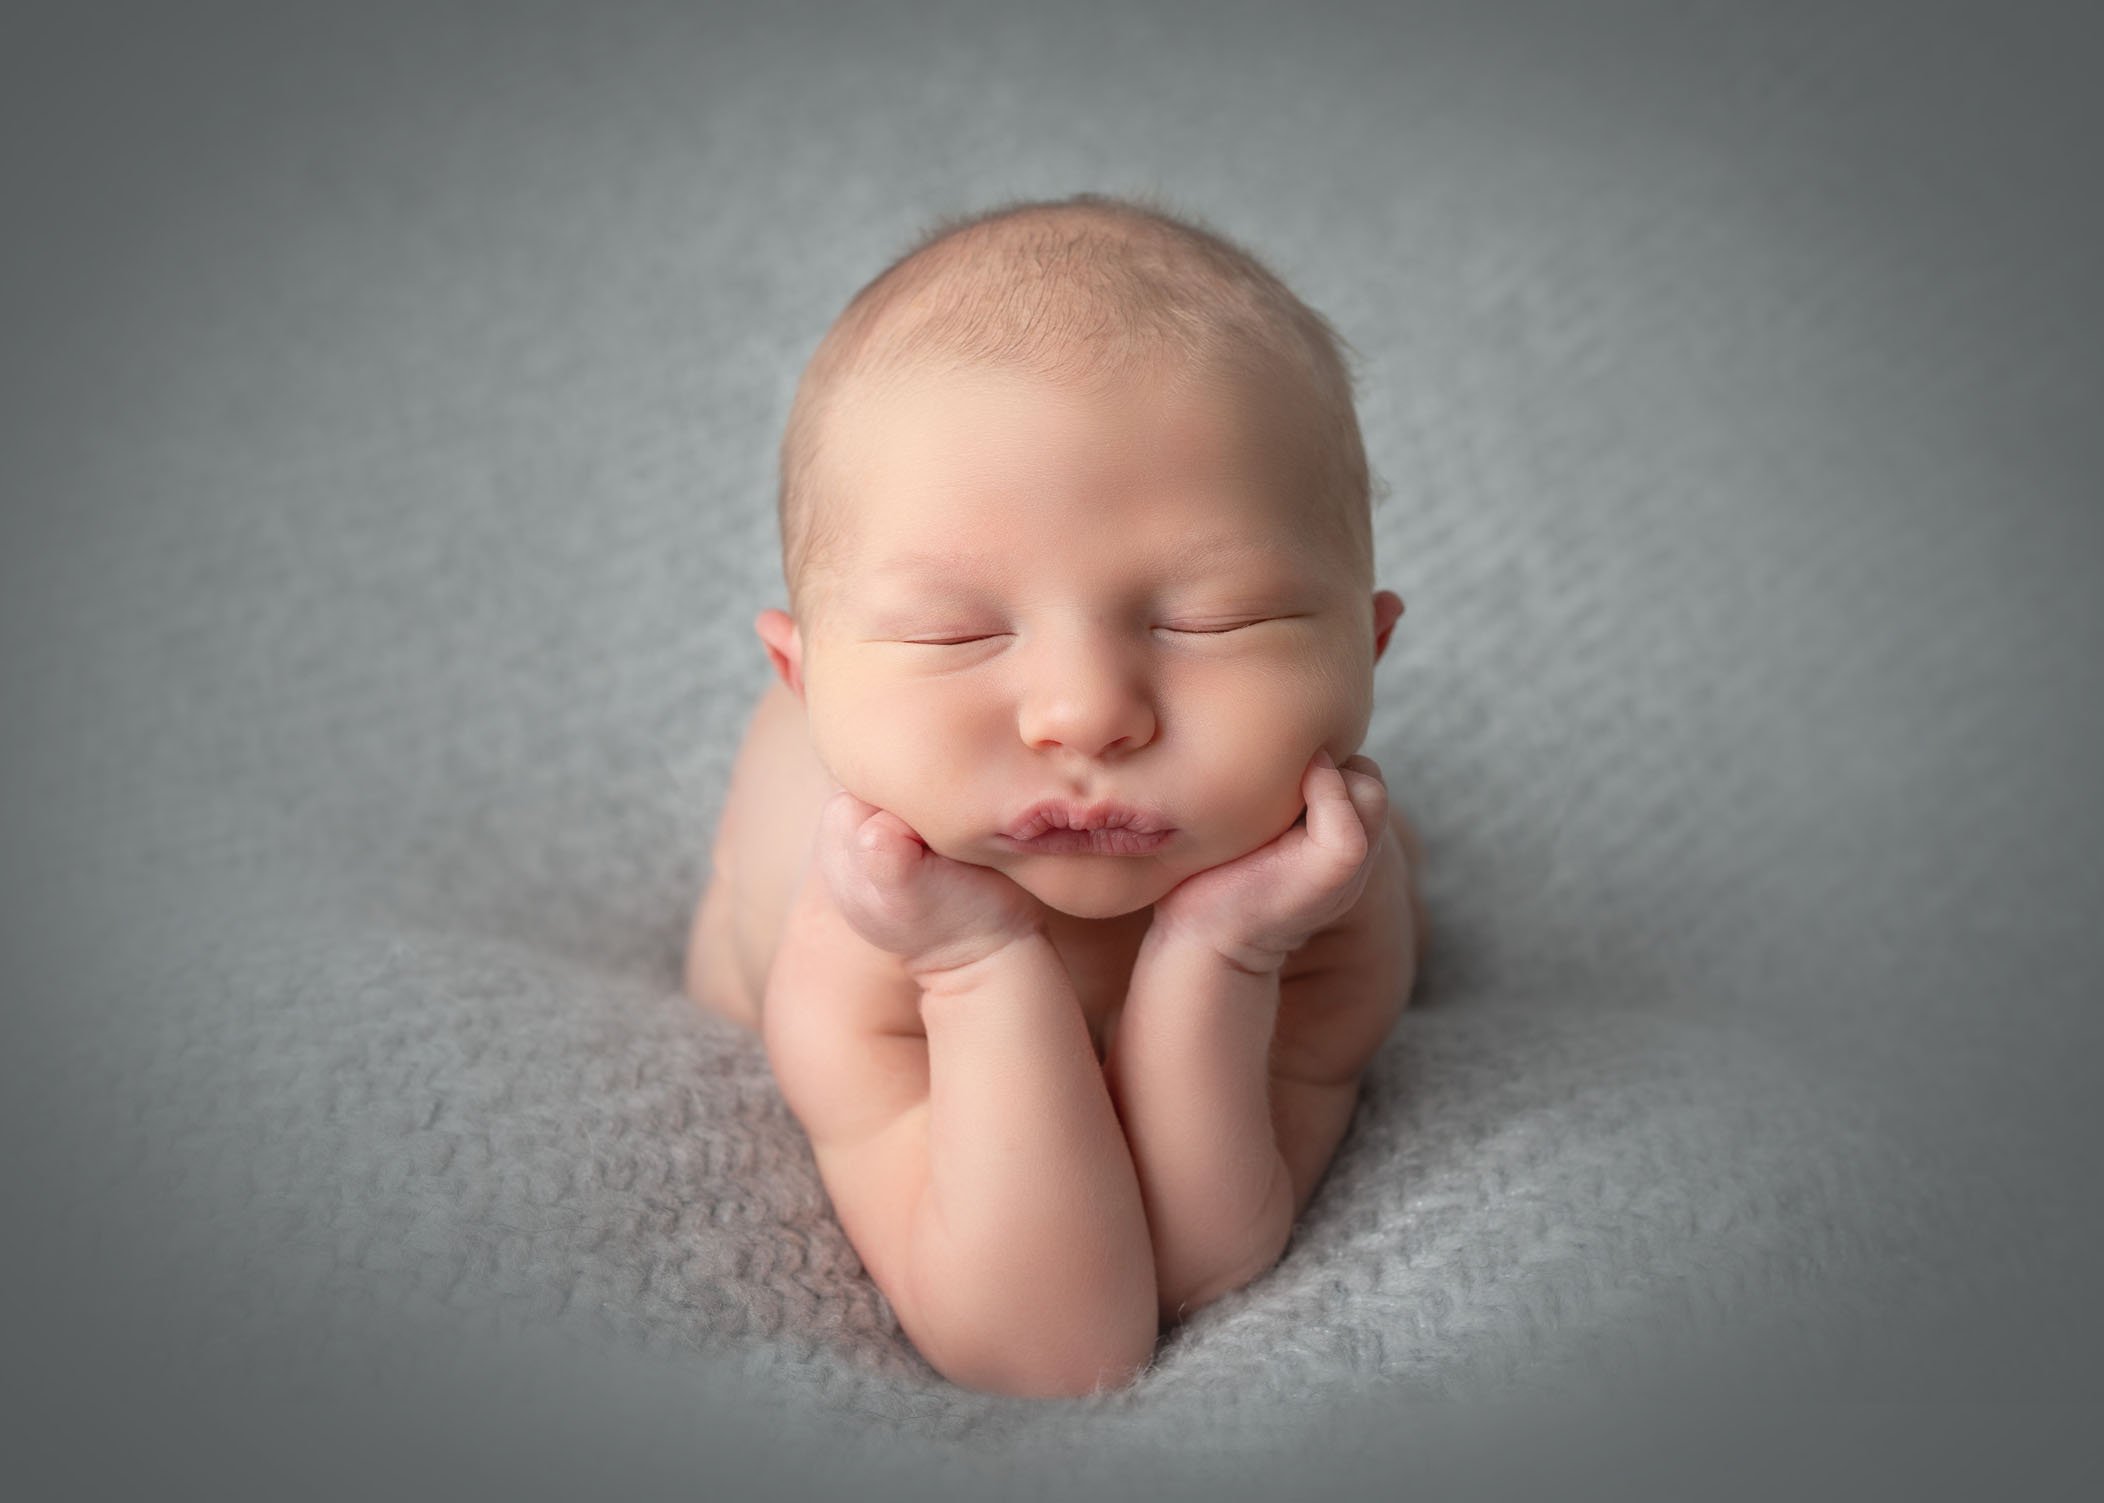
(1092, 716)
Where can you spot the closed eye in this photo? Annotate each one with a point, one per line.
(1213, 631)
(1182, 631)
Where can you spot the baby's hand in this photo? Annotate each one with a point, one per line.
(1257, 910)
(935, 914)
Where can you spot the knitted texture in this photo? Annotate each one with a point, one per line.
(400, 490)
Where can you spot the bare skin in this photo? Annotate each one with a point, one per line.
(764, 855)
(1061, 1097)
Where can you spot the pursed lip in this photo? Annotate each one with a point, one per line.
(1091, 843)
(1066, 814)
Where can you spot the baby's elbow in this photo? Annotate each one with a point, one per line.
(1175, 1310)
(1037, 1352)
(1010, 1373)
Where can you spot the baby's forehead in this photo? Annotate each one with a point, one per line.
(940, 448)
(940, 416)
(921, 556)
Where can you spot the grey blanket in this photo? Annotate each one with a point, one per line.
(391, 406)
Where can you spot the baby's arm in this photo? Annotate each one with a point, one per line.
(1188, 1069)
(1232, 1115)
(1032, 1244)
(984, 1179)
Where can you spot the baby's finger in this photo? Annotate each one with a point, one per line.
(861, 835)
(1370, 800)
(885, 831)
(841, 817)
(1369, 790)
(1334, 820)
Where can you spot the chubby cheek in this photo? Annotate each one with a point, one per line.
(1248, 800)
(893, 753)
(1232, 743)
(1247, 758)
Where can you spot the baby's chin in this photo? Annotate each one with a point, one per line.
(1093, 887)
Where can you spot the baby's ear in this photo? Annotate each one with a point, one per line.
(1387, 610)
(785, 647)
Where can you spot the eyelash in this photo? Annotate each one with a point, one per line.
(1216, 631)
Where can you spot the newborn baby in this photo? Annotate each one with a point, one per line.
(1048, 873)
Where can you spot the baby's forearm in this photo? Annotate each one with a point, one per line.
(1032, 1256)
(1189, 1070)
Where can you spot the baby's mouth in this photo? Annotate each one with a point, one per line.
(1118, 842)
(1054, 815)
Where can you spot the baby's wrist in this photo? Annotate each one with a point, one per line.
(1246, 956)
(964, 967)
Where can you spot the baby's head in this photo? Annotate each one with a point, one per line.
(1074, 506)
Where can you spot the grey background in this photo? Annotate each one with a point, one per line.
(390, 397)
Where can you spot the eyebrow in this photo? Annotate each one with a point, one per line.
(952, 562)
